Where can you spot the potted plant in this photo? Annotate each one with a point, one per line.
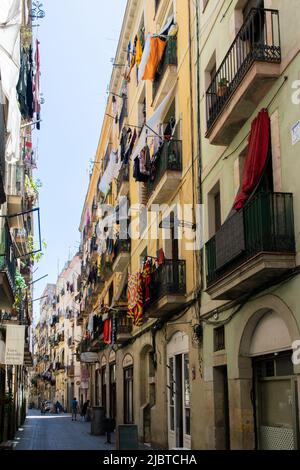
(222, 86)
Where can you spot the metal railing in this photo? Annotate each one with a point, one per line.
(265, 224)
(124, 325)
(123, 177)
(169, 279)
(257, 40)
(169, 58)
(7, 257)
(169, 158)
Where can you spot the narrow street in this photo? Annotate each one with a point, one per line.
(58, 432)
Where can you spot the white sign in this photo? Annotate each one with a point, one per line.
(89, 357)
(14, 345)
(2, 351)
(295, 133)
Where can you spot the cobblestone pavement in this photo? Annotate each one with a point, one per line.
(58, 432)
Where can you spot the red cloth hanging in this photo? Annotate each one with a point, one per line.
(256, 158)
(107, 331)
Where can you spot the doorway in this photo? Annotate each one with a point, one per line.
(179, 429)
(275, 403)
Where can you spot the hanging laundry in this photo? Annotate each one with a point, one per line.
(138, 176)
(145, 161)
(139, 51)
(157, 50)
(135, 298)
(146, 274)
(36, 87)
(145, 57)
(128, 152)
(129, 54)
(161, 257)
(107, 331)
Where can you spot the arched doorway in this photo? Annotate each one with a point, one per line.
(267, 343)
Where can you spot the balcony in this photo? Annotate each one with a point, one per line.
(168, 289)
(15, 190)
(253, 247)
(245, 76)
(123, 181)
(166, 72)
(168, 173)
(124, 329)
(121, 255)
(7, 268)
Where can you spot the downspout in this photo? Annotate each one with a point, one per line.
(192, 125)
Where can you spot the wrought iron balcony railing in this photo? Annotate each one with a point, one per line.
(264, 225)
(169, 58)
(7, 257)
(169, 279)
(257, 40)
(169, 159)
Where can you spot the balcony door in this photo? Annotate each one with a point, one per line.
(179, 435)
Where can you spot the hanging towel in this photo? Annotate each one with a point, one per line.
(145, 57)
(139, 51)
(158, 47)
(135, 298)
(107, 332)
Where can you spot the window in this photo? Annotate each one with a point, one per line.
(219, 338)
(112, 391)
(171, 394)
(187, 393)
(214, 209)
(111, 294)
(103, 388)
(128, 395)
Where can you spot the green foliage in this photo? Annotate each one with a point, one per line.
(20, 286)
(35, 257)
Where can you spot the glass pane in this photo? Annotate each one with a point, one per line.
(188, 421)
(276, 403)
(171, 380)
(284, 366)
(172, 418)
(186, 381)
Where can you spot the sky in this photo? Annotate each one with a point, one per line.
(78, 39)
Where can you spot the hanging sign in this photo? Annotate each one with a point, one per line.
(14, 345)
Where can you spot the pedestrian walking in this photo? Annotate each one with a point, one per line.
(84, 410)
(74, 409)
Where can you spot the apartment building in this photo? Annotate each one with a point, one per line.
(132, 364)
(249, 70)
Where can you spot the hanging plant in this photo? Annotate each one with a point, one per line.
(20, 286)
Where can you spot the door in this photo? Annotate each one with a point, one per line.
(112, 391)
(275, 404)
(179, 401)
(103, 389)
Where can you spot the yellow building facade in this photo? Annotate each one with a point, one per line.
(134, 376)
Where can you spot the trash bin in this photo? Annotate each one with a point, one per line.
(97, 421)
